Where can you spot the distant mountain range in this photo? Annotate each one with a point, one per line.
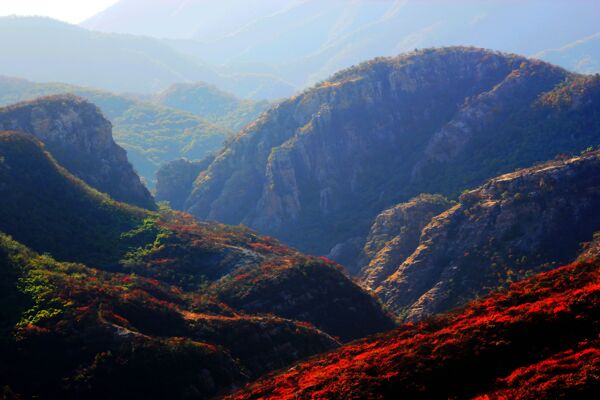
(45, 50)
(274, 49)
(304, 41)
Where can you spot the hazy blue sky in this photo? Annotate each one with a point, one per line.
(73, 11)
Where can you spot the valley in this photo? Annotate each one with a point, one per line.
(300, 200)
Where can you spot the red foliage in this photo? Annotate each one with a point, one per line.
(326, 260)
(536, 340)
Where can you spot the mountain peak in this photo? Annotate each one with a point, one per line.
(80, 138)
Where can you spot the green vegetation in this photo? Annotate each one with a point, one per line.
(152, 134)
(69, 330)
(212, 104)
(49, 210)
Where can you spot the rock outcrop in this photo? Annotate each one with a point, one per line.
(79, 137)
(514, 225)
(315, 170)
(395, 235)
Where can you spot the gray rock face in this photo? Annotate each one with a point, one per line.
(80, 139)
(395, 235)
(316, 170)
(514, 225)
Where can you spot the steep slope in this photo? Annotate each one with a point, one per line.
(536, 340)
(315, 170)
(49, 210)
(71, 331)
(395, 235)
(530, 220)
(80, 138)
(151, 134)
(591, 249)
(212, 104)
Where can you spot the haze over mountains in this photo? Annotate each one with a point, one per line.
(198, 123)
(114, 62)
(304, 41)
(433, 210)
(272, 49)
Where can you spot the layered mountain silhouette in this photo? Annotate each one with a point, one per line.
(457, 186)
(316, 169)
(114, 62)
(97, 291)
(151, 133)
(304, 41)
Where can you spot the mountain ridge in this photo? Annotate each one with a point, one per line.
(510, 227)
(315, 170)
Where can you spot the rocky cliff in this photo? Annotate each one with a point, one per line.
(316, 169)
(395, 235)
(79, 137)
(514, 225)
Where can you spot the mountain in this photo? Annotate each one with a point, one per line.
(125, 301)
(180, 19)
(512, 226)
(536, 340)
(113, 62)
(151, 134)
(395, 235)
(68, 330)
(316, 169)
(176, 179)
(212, 104)
(80, 138)
(305, 41)
(47, 209)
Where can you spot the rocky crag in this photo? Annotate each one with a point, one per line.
(78, 136)
(315, 170)
(514, 225)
